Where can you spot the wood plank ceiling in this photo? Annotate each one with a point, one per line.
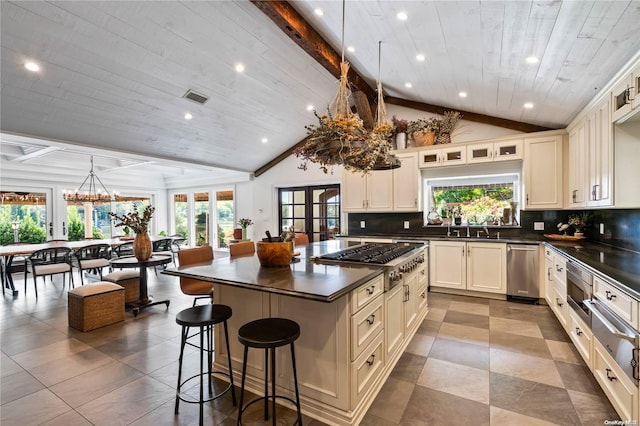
(114, 73)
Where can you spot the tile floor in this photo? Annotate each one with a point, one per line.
(473, 362)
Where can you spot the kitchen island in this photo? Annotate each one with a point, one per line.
(352, 331)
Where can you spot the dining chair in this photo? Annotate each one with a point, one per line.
(176, 245)
(49, 261)
(301, 239)
(93, 257)
(242, 247)
(190, 286)
(162, 247)
(122, 250)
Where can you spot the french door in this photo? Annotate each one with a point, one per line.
(313, 210)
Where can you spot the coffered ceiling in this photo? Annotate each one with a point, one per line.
(113, 74)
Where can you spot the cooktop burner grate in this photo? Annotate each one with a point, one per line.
(370, 253)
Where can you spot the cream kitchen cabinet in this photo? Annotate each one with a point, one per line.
(407, 194)
(556, 294)
(495, 151)
(582, 338)
(371, 192)
(600, 134)
(437, 157)
(543, 179)
(468, 266)
(623, 97)
(618, 301)
(578, 173)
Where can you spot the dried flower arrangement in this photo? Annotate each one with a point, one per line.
(139, 223)
(448, 123)
(399, 125)
(425, 125)
(245, 222)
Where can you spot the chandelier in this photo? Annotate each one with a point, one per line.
(340, 137)
(88, 191)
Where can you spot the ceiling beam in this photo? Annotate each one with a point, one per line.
(305, 36)
(470, 116)
(279, 158)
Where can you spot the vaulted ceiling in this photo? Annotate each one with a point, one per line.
(113, 74)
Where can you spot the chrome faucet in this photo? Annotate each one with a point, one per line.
(486, 230)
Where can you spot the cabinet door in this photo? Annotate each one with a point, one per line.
(635, 101)
(508, 150)
(548, 279)
(394, 319)
(578, 181)
(453, 155)
(354, 191)
(543, 173)
(429, 158)
(410, 300)
(487, 267)
(480, 153)
(406, 184)
(581, 336)
(447, 264)
(622, 96)
(380, 191)
(600, 156)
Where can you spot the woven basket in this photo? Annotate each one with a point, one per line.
(424, 138)
(130, 280)
(95, 305)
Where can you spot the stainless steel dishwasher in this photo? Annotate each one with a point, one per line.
(522, 272)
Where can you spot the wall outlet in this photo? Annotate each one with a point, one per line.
(538, 226)
(602, 228)
(406, 224)
(362, 224)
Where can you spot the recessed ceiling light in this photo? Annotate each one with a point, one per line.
(188, 116)
(420, 57)
(528, 105)
(265, 140)
(408, 85)
(32, 66)
(402, 16)
(351, 49)
(532, 59)
(310, 107)
(239, 67)
(462, 94)
(318, 12)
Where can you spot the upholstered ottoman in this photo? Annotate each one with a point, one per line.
(130, 280)
(93, 306)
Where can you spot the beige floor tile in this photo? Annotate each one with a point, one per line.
(420, 344)
(72, 366)
(516, 343)
(436, 314)
(501, 417)
(469, 308)
(33, 409)
(70, 418)
(95, 383)
(8, 366)
(563, 351)
(46, 354)
(392, 400)
(593, 409)
(455, 379)
(18, 385)
(158, 356)
(464, 333)
(127, 403)
(525, 367)
(522, 328)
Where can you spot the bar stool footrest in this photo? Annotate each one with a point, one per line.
(188, 400)
(261, 399)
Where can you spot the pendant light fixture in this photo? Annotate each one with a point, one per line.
(88, 191)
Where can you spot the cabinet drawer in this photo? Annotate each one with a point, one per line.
(367, 368)
(365, 325)
(548, 253)
(559, 303)
(366, 293)
(421, 298)
(617, 301)
(560, 269)
(582, 337)
(616, 385)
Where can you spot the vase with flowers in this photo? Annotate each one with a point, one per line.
(139, 223)
(400, 131)
(579, 222)
(244, 224)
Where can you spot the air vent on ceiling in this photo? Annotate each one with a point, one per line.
(195, 97)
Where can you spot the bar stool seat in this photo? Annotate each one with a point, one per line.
(204, 317)
(269, 334)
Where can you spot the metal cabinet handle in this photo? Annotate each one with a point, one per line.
(549, 273)
(371, 290)
(371, 359)
(371, 319)
(594, 192)
(610, 376)
(423, 295)
(578, 331)
(609, 295)
(558, 302)
(574, 196)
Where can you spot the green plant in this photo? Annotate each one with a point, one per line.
(126, 230)
(431, 124)
(245, 222)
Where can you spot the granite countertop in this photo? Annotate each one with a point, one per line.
(622, 266)
(304, 278)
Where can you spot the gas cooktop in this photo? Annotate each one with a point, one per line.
(376, 253)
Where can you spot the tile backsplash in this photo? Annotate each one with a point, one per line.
(621, 226)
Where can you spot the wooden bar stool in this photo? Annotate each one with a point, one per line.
(268, 334)
(204, 317)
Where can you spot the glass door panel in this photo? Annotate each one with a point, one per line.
(23, 217)
(225, 217)
(201, 218)
(180, 216)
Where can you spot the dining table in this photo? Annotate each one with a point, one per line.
(145, 299)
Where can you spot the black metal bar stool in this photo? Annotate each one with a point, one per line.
(268, 334)
(204, 317)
